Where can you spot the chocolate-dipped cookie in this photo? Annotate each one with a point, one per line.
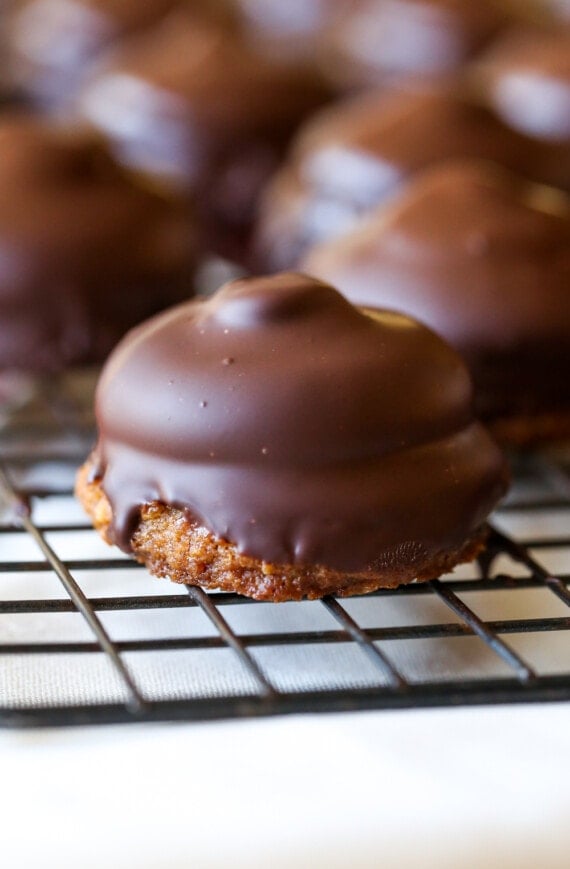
(276, 441)
(293, 29)
(55, 44)
(85, 254)
(526, 80)
(199, 110)
(482, 258)
(377, 42)
(352, 157)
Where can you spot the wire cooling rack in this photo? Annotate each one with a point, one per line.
(87, 636)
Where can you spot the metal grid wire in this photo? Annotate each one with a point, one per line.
(86, 636)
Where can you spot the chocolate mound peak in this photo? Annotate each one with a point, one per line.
(250, 302)
(294, 426)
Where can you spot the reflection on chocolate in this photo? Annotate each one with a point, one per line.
(526, 79)
(84, 254)
(378, 41)
(556, 10)
(484, 260)
(55, 43)
(351, 158)
(296, 427)
(200, 110)
(293, 28)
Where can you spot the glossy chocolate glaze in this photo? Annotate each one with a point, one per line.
(199, 110)
(293, 29)
(526, 79)
(484, 260)
(351, 158)
(558, 10)
(84, 253)
(375, 42)
(55, 44)
(296, 427)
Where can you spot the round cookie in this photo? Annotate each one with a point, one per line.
(376, 42)
(526, 80)
(350, 158)
(199, 110)
(56, 44)
(483, 259)
(85, 254)
(276, 441)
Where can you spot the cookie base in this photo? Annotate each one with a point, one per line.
(172, 546)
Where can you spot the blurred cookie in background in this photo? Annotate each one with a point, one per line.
(293, 29)
(482, 258)
(196, 110)
(54, 44)
(353, 156)
(525, 78)
(377, 42)
(84, 253)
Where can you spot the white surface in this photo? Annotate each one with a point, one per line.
(448, 789)
(443, 789)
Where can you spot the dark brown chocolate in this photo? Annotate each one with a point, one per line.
(296, 427)
(84, 253)
(557, 10)
(352, 157)
(484, 260)
(293, 29)
(376, 42)
(201, 111)
(6, 88)
(526, 79)
(55, 45)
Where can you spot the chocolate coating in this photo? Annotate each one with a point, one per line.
(201, 111)
(292, 29)
(526, 79)
(375, 42)
(55, 44)
(84, 253)
(484, 260)
(296, 427)
(351, 158)
(558, 9)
